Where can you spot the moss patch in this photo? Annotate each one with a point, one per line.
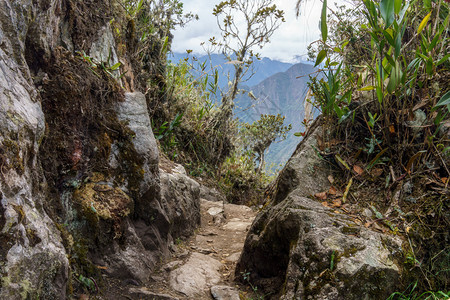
(102, 202)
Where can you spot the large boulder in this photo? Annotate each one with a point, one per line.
(33, 262)
(299, 249)
(181, 200)
(305, 171)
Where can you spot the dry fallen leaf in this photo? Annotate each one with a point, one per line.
(358, 170)
(331, 179)
(444, 180)
(367, 224)
(377, 172)
(337, 202)
(391, 129)
(332, 191)
(326, 204)
(321, 196)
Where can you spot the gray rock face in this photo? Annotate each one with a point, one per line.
(104, 49)
(134, 112)
(298, 249)
(33, 261)
(198, 274)
(181, 200)
(211, 194)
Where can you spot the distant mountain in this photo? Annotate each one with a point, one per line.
(263, 68)
(283, 93)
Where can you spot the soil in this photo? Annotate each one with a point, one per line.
(221, 236)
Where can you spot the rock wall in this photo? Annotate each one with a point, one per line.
(33, 261)
(80, 184)
(299, 249)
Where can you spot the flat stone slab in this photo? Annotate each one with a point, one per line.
(236, 224)
(233, 257)
(214, 211)
(222, 292)
(145, 294)
(196, 275)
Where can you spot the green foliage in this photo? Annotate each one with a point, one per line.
(157, 16)
(412, 294)
(239, 179)
(194, 135)
(384, 91)
(259, 135)
(88, 283)
(167, 129)
(105, 66)
(246, 277)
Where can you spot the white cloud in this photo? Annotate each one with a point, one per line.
(289, 41)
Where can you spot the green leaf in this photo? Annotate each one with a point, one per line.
(89, 283)
(299, 134)
(444, 59)
(445, 101)
(115, 67)
(434, 42)
(367, 88)
(320, 57)
(165, 45)
(379, 95)
(388, 35)
(414, 64)
(429, 66)
(390, 59)
(387, 11)
(323, 22)
(336, 49)
(338, 158)
(397, 6)
(427, 4)
(423, 23)
(398, 45)
(403, 12)
(395, 78)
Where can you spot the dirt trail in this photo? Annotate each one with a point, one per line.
(203, 266)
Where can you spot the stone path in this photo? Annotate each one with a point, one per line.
(203, 266)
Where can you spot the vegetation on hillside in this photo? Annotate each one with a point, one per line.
(385, 100)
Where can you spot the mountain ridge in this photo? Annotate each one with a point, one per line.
(263, 68)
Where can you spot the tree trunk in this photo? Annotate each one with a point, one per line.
(261, 162)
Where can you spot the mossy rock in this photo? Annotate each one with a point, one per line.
(101, 202)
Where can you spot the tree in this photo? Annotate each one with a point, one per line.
(259, 135)
(260, 19)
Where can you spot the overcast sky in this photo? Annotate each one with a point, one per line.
(287, 43)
